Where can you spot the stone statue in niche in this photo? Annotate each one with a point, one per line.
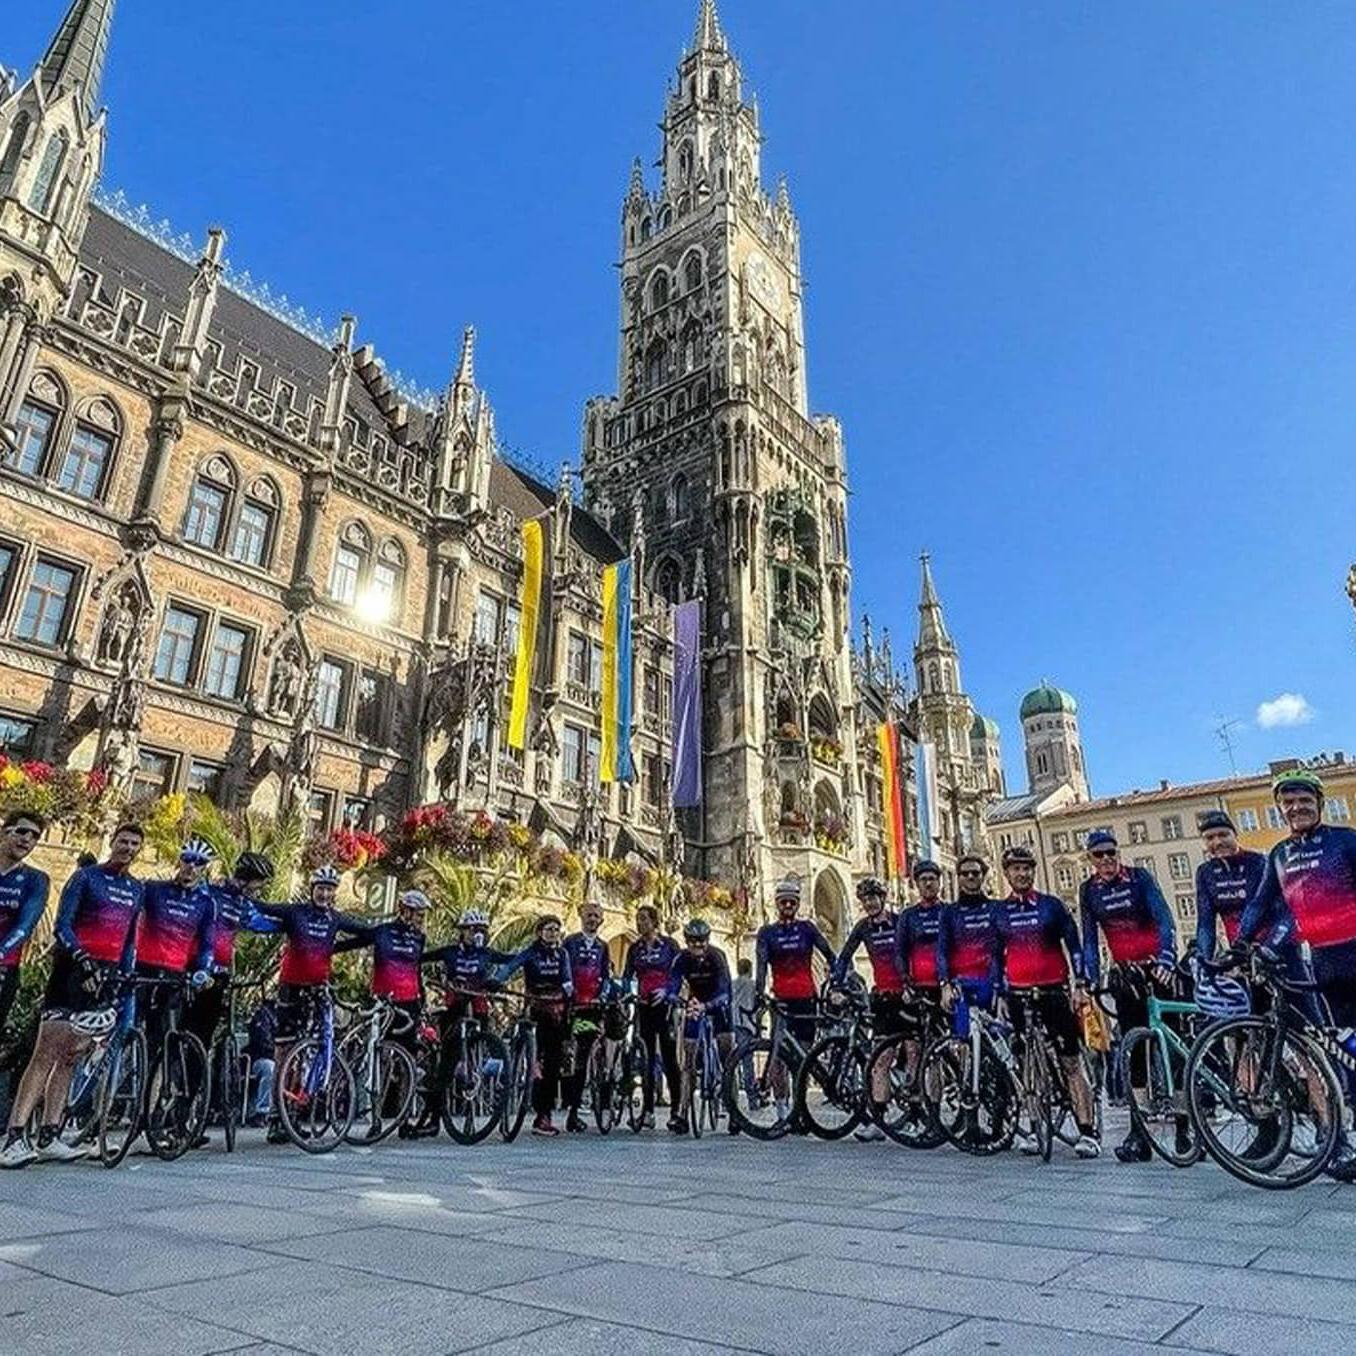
(118, 634)
(287, 682)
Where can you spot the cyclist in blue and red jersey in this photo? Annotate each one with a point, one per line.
(969, 963)
(1225, 881)
(23, 897)
(397, 955)
(95, 937)
(916, 936)
(310, 930)
(649, 959)
(787, 948)
(546, 976)
(1127, 905)
(174, 938)
(591, 969)
(704, 972)
(233, 912)
(1039, 946)
(876, 931)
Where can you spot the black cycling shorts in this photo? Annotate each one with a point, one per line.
(1055, 1007)
(887, 1014)
(72, 988)
(295, 1003)
(800, 1019)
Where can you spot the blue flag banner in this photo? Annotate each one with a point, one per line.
(687, 704)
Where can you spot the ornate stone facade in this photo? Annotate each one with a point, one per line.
(239, 555)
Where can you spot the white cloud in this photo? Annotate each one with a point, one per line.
(1290, 708)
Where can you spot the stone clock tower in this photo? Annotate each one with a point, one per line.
(709, 451)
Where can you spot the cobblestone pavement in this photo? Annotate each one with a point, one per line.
(645, 1244)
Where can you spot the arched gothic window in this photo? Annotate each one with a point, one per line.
(85, 466)
(678, 497)
(352, 562)
(692, 271)
(654, 364)
(685, 162)
(210, 503)
(17, 136)
(668, 580)
(53, 158)
(386, 593)
(659, 289)
(38, 423)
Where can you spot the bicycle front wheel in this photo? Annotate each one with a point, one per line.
(1272, 1117)
(756, 1087)
(904, 1115)
(637, 1079)
(473, 1101)
(121, 1097)
(831, 1087)
(604, 1081)
(975, 1105)
(176, 1102)
(385, 1093)
(1158, 1104)
(1038, 1096)
(518, 1093)
(316, 1097)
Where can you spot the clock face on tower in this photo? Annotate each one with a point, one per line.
(760, 281)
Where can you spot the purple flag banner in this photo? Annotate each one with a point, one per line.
(687, 703)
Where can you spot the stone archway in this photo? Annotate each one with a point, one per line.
(830, 906)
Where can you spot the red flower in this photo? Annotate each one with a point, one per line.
(37, 771)
(96, 781)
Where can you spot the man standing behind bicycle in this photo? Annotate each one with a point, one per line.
(706, 973)
(649, 959)
(591, 967)
(1039, 943)
(1127, 905)
(916, 941)
(174, 940)
(546, 973)
(311, 930)
(968, 957)
(877, 932)
(94, 946)
(397, 954)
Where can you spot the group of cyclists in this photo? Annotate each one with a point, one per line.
(935, 967)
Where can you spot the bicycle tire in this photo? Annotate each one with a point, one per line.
(393, 1077)
(481, 1052)
(978, 1124)
(121, 1097)
(904, 1116)
(693, 1105)
(638, 1084)
(604, 1084)
(837, 1068)
(315, 1121)
(1160, 1108)
(732, 1090)
(174, 1120)
(519, 1095)
(1038, 1093)
(229, 1082)
(712, 1069)
(1261, 1172)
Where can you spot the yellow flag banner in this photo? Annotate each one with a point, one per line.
(529, 602)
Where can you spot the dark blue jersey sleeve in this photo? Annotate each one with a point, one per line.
(854, 940)
(944, 930)
(1060, 918)
(1265, 902)
(1162, 916)
(821, 944)
(1092, 956)
(760, 954)
(72, 894)
(30, 912)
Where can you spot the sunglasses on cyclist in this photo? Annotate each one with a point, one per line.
(25, 831)
(1102, 852)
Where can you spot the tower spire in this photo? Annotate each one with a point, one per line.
(931, 625)
(708, 36)
(75, 56)
(466, 366)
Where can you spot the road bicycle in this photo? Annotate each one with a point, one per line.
(522, 1069)
(906, 1114)
(475, 1064)
(761, 1106)
(107, 1099)
(832, 1088)
(972, 1075)
(229, 1062)
(617, 1069)
(1040, 1075)
(177, 1089)
(1157, 1055)
(701, 1073)
(384, 1073)
(316, 1093)
(1264, 1096)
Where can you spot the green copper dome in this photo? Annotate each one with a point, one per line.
(984, 728)
(1047, 700)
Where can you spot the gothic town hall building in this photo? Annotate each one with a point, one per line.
(239, 556)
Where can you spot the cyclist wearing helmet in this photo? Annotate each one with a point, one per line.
(591, 967)
(95, 938)
(174, 938)
(397, 953)
(968, 955)
(877, 932)
(1225, 881)
(23, 897)
(546, 974)
(787, 948)
(1126, 903)
(310, 930)
(916, 933)
(1039, 943)
(706, 973)
(233, 911)
(649, 959)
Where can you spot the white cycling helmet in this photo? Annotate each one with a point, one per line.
(414, 899)
(1219, 995)
(96, 1022)
(325, 875)
(474, 918)
(197, 852)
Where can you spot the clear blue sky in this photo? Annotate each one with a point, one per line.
(1081, 286)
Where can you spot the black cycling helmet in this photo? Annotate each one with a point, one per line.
(926, 867)
(252, 867)
(697, 930)
(871, 887)
(1019, 856)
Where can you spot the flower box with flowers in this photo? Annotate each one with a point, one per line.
(826, 751)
